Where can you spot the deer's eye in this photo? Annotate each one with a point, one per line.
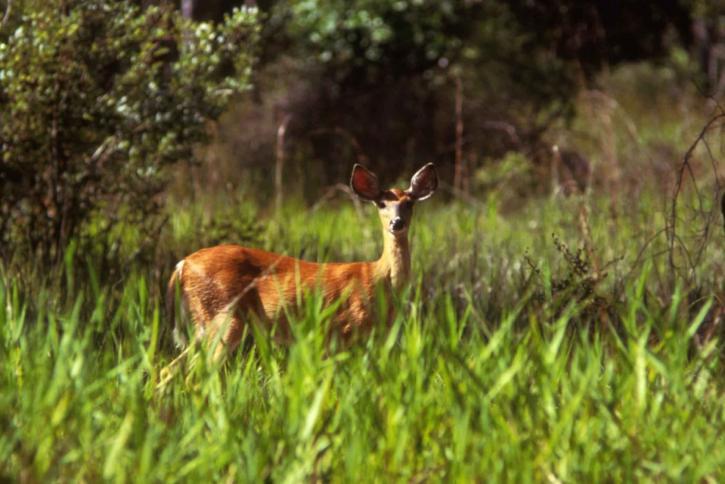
(380, 204)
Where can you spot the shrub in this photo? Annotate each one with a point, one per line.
(97, 98)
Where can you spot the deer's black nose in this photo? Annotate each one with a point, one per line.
(397, 224)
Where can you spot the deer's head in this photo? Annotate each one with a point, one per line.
(395, 206)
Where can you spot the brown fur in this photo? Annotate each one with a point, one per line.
(226, 285)
(229, 280)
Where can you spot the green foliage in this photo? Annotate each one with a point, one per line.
(471, 383)
(224, 218)
(372, 40)
(512, 357)
(400, 62)
(413, 33)
(96, 99)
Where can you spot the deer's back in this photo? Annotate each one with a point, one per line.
(242, 278)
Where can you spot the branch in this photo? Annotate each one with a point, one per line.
(685, 167)
(8, 9)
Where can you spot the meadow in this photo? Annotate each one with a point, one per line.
(512, 358)
(565, 317)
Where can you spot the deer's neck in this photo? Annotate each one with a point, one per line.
(394, 264)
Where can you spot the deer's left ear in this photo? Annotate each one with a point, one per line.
(424, 182)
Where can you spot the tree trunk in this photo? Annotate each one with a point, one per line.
(458, 173)
(279, 161)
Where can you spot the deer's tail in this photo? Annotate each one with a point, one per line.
(174, 294)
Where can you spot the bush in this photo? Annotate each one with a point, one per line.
(96, 99)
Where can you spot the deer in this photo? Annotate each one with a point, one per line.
(224, 286)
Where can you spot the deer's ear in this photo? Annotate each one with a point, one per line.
(424, 182)
(364, 183)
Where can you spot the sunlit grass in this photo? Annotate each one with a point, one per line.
(484, 375)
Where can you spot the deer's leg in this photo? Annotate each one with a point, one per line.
(224, 333)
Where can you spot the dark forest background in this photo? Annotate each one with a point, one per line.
(398, 83)
(102, 99)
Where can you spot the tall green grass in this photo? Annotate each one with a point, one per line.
(488, 373)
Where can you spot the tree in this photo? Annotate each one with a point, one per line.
(97, 98)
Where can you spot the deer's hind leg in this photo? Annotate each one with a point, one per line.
(223, 333)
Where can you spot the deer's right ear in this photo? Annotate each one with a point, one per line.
(424, 182)
(364, 183)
